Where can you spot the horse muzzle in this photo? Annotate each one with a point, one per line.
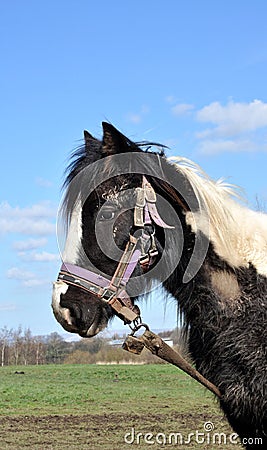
(77, 316)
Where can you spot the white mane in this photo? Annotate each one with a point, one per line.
(239, 234)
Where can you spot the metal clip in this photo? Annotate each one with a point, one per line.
(133, 344)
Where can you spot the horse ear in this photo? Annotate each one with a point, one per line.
(113, 141)
(89, 141)
(88, 137)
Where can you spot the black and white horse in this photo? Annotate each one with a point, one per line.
(135, 218)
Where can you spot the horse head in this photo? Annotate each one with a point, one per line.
(120, 208)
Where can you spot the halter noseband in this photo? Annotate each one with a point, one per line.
(141, 249)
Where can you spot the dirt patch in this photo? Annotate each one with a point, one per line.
(105, 431)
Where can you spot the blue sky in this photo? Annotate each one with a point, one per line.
(188, 74)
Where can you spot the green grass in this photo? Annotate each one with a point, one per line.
(93, 406)
(67, 389)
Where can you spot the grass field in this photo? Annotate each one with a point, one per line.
(93, 406)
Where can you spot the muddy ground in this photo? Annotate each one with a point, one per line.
(107, 431)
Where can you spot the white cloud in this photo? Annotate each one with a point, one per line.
(33, 282)
(29, 244)
(26, 278)
(235, 127)
(39, 257)
(39, 210)
(33, 220)
(182, 109)
(233, 118)
(17, 274)
(45, 256)
(216, 146)
(7, 307)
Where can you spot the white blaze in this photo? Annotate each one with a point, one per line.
(74, 237)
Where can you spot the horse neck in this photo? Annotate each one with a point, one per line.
(236, 243)
(216, 297)
(194, 296)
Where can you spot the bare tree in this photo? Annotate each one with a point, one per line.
(16, 345)
(5, 335)
(26, 346)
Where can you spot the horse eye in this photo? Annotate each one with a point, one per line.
(106, 215)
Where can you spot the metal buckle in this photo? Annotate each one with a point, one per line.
(140, 197)
(107, 294)
(139, 207)
(139, 216)
(153, 252)
(150, 194)
(144, 259)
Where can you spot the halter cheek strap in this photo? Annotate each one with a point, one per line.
(140, 250)
(112, 291)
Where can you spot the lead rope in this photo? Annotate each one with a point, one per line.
(158, 347)
(145, 212)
